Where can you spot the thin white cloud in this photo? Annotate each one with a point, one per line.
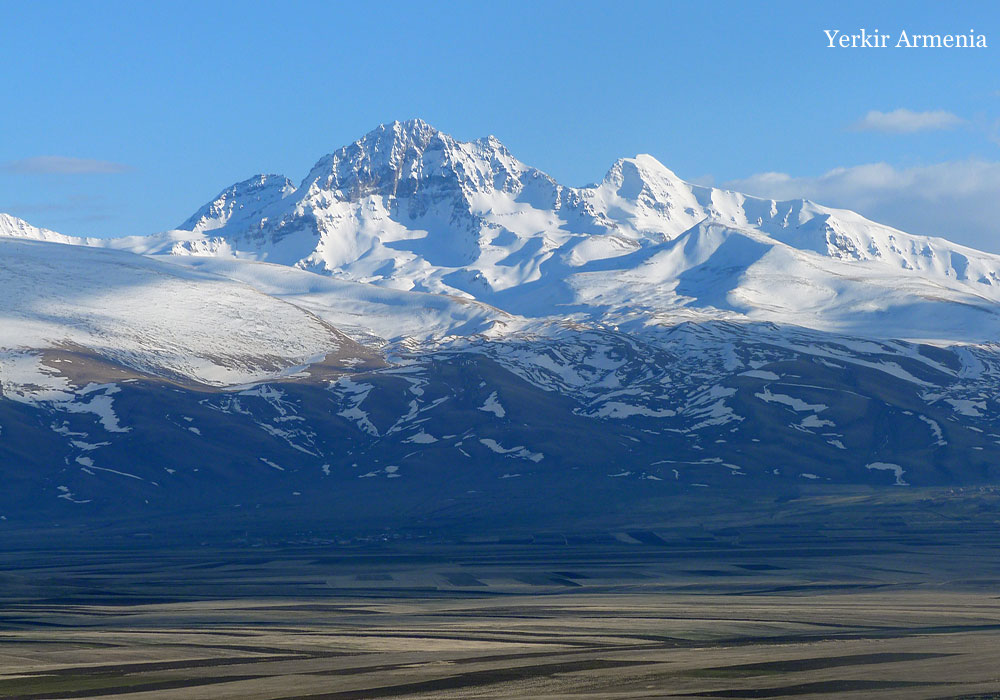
(62, 165)
(904, 121)
(957, 200)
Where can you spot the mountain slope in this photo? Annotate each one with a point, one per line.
(152, 317)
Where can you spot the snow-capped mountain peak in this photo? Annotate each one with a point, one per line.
(241, 207)
(12, 227)
(398, 159)
(642, 198)
(641, 172)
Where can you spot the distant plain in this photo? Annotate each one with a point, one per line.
(894, 601)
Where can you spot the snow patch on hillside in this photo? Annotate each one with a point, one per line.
(492, 405)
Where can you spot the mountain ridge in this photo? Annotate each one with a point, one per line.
(426, 322)
(411, 208)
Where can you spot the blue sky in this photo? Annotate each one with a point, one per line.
(144, 111)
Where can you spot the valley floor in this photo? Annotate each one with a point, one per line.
(612, 645)
(810, 614)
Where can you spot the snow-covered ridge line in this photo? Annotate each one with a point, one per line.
(409, 208)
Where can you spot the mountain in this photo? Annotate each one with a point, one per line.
(12, 227)
(430, 331)
(243, 207)
(411, 208)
